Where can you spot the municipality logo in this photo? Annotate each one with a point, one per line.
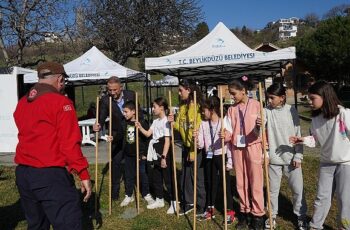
(86, 61)
(219, 42)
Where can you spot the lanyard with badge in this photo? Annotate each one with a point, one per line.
(210, 151)
(241, 137)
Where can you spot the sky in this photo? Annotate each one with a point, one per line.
(255, 14)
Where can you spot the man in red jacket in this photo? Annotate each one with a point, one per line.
(48, 153)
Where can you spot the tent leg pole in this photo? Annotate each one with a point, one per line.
(295, 80)
(149, 92)
(82, 94)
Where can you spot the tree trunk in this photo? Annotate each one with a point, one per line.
(19, 57)
(4, 51)
(2, 45)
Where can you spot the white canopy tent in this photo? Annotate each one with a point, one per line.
(218, 57)
(90, 68)
(10, 86)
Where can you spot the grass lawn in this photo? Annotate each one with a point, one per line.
(11, 216)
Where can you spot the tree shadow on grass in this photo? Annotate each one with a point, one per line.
(91, 219)
(11, 215)
(92, 216)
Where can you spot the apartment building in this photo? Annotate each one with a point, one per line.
(287, 27)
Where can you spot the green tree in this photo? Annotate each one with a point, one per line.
(201, 31)
(326, 51)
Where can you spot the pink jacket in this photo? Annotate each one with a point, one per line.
(232, 122)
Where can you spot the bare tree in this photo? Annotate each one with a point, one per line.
(2, 45)
(311, 19)
(134, 27)
(26, 21)
(340, 10)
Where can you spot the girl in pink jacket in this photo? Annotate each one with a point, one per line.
(242, 131)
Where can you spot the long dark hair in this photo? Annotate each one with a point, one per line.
(330, 104)
(213, 104)
(191, 87)
(277, 89)
(160, 101)
(241, 83)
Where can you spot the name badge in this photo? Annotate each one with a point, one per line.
(210, 153)
(241, 141)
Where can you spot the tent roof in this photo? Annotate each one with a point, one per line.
(18, 70)
(166, 81)
(218, 56)
(91, 67)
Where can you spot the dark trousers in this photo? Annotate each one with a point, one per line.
(213, 177)
(130, 176)
(49, 196)
(159, 175)
(117, 172)
(187, 179)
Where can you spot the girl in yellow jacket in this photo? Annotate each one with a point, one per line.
(184, 123)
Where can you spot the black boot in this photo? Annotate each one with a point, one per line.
(242, 221)
(258, 223)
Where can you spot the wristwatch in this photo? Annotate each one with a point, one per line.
(163, 157)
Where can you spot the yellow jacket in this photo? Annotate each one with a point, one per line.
(184, 123)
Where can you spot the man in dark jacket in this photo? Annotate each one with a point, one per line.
(119, 97)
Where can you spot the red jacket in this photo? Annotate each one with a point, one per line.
(48, 132)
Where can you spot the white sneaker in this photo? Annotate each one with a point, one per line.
(149, 199)
(267, 223)
(127, 200)
(159, 203)
(172, 208)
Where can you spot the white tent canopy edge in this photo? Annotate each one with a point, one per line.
(93, 65)
(219, 52)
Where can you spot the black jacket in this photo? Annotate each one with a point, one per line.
(118, 120)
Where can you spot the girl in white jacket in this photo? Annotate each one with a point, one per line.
(330, 128)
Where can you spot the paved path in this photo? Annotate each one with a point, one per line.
(88, 151)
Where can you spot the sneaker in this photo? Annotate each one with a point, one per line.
(302, 224)
(127, 200)
(258, 223)
(149, 199)
(230, 217)
(200, 212)
(242, 221)
(267, 223)
(186, 209)
(159, 203)
(172, 208)
(207, 215)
